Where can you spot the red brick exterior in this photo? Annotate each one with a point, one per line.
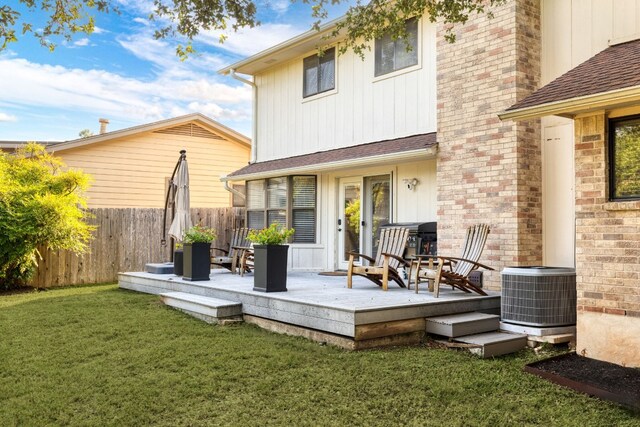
(490, 171)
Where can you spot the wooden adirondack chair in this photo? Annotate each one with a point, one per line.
(231, 258)
(455, 271)
(384, 267)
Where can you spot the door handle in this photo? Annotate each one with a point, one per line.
(339, 229)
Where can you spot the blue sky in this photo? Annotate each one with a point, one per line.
(121, 73)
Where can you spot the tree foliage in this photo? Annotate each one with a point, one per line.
(627, 160)
(41, 205)
(187, 19)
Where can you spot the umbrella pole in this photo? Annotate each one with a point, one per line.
(163, 241)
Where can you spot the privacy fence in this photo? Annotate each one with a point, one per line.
(125, 240)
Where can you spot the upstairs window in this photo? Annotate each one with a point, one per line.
(319, 73)
(624, 158)
(288, 201)
(392, 55)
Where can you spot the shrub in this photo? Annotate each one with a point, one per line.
(200, 234)
(272, 235)
(41, 204)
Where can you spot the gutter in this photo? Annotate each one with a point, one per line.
(404, 156)
(575, 105)
(254, 120)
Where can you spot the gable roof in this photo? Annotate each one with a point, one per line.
(407, 148)
(285, 51)
(156, 126)
(175, 125)
(609, 76)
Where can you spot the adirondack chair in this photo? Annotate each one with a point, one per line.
(231, 258)
(455, 271)
(384, 266)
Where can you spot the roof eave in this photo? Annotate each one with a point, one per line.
(305, 37)
(571, 107)
(422, 154)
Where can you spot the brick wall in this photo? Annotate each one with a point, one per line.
(607, 254)
(607, 233)
(490, 171)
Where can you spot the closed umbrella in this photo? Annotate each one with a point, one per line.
(182, 219)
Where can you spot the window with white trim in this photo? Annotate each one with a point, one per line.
(319, 73)
(289, 201)
(392, 54)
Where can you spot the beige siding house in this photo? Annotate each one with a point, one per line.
(131, 167)
(447, 117)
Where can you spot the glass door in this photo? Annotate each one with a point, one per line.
(349, 228)
(377, 210)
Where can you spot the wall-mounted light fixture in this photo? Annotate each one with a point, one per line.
(411, 183)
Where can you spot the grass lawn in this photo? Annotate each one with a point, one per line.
(99, 355)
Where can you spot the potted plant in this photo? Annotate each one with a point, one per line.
(178, 259)
(196, 247)
(270, 258)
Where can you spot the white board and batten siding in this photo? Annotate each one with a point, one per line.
(133, 171)
(361, 109)
(572, 32)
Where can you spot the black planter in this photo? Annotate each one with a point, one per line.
(178, 259)
(197, 261)
(270, 268)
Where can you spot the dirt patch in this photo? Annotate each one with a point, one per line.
(594, 377)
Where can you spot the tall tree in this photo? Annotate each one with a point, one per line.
(186, 19)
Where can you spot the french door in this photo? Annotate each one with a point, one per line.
(364, 206)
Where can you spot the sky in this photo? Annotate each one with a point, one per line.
(120, 72)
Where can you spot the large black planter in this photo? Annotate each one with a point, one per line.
(270, 268)
(197, 261)
(178, 260)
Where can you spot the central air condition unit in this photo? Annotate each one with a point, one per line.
(539, 296)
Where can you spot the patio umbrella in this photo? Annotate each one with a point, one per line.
(182, 219)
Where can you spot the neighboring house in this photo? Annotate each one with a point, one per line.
(131, 167)
(335, 137)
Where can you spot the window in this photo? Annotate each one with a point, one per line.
(289, 201)
(236, 200)
(319, 73)
(392, 55)
(624, 158)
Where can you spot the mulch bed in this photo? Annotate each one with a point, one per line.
(605, 380)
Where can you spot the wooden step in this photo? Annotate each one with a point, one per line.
(491, 344)
(457, 325)
(211, 310)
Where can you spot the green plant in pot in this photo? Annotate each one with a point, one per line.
(270, 258)
(196, 252)
(178, 259)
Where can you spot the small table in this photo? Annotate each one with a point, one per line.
(417, 262)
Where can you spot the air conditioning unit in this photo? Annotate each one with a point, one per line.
(539, 296)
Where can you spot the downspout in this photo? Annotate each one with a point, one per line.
(254, 127)
(232, 190)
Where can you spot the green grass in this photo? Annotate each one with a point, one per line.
(103, 356)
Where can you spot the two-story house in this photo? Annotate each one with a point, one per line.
(439, 133)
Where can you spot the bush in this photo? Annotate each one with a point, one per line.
(272, 235)
(200, 234)
(41, 204)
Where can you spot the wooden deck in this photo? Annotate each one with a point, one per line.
(322, 308)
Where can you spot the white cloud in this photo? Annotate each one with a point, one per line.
(99, 30)
(4, 117)
(248, 41)
(82, 42)
(279, 6)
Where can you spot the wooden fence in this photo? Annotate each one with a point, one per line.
(125, 240)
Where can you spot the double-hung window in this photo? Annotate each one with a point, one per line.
(319, 73)
(289, 201)
(392, 55)
(624, 158)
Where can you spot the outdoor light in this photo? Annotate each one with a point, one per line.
(411, 183)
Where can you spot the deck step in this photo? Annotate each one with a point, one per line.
(491, 344)
(211, 310)
(457, 325)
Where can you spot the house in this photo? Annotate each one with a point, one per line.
(131, 167)
(483, 133)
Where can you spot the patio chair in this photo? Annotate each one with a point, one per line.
(384, 266)
(455, 271)
(232, 257)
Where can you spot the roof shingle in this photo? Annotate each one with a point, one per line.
(372, 149)
(612, 69)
